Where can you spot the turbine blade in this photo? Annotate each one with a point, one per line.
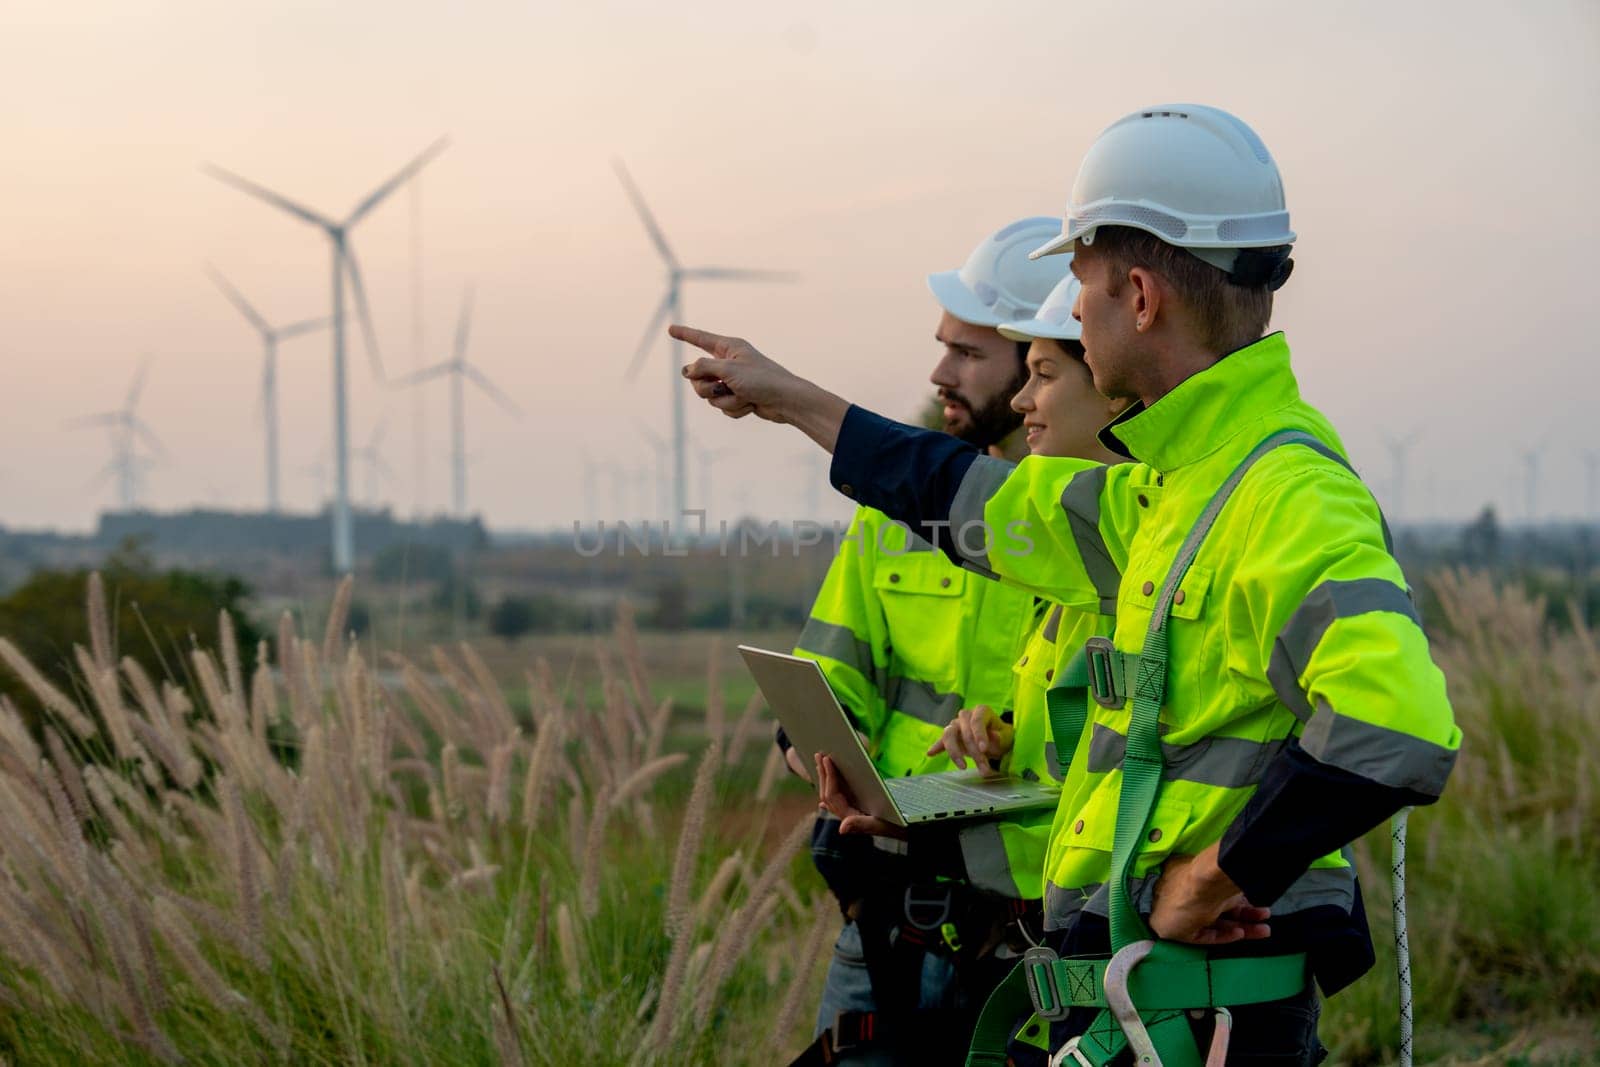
(359, 291)
(463, 325)
(495, 392)
(649, 220)
(237, 299)
(737, 274)
(656, 440)
(377, 435)
(295, 329)
(426, 374)
(377, 195)
(149, 437)
(652, 334)
(261, 192)
(137, 387)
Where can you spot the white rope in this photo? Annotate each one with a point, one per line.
(1402, 945)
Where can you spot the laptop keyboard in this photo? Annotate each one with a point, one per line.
(926, 795)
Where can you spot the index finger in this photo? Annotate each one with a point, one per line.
(715, 343)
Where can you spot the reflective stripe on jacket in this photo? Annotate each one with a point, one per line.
(1294, 621)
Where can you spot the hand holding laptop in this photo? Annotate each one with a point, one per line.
(835, 796)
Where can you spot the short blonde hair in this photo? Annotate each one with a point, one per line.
(1229, 315)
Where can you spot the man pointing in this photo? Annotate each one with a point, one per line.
(1267, 695)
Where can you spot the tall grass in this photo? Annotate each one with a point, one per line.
(332, 862)
(1504, 878)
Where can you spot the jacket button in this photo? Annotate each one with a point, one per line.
(1148, 588)
(1178, 598)
(1144, 501)
(944, 583)
(894, 578)
(1078, 829)
(1155, 835)
(1050, 674)
(847, 489)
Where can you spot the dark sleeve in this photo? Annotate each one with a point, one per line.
(782, 738)
(907, 473)
(1302, 810)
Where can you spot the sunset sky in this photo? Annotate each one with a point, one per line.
(1442, 162)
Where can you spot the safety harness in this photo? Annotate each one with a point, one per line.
(903, 913)
(1146, 988)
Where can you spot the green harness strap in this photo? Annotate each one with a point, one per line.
(1175, 976)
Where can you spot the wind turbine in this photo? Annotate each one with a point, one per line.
(344, 263)
(1399, 458)
(270, 336)
(708, 456)
(460, 371)
(371, 454)
(671, 309)
(1530, 473)
(127, 430)
(662, 450)
(1591, 480)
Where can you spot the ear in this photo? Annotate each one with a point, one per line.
(1144, 296)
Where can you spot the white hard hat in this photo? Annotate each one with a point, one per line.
(1000, 282)
(1196, 177)
(1054, 319)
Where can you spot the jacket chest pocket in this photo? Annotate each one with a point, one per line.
(921, 596)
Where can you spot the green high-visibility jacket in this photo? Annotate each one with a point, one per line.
(1007, 856)
(907, 639)
(1294, 621)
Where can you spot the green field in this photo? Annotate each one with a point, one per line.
(578, 849)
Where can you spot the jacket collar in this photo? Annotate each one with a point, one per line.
(1208, 409)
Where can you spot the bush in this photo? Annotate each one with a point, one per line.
(151, 615)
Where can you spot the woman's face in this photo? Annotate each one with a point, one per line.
(1060, 409)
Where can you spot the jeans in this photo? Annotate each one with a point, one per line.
(848, 988)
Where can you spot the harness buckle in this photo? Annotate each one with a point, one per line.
(1222, 1030)
(1039, 965)
(1121, 1003)
(939, 906)
(1071, 1053)
(1105, 672)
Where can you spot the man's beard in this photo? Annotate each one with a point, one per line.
(990, 424)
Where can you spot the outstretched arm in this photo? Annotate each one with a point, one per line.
(738, 380)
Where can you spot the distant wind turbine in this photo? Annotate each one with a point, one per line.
(460, 371)
(1531, 458)
(127, 431)
(1591, 480)
(371, 454)
(662, 451)
(671, 310)
(1400, 458)
(708, 457)
(344, 263)
(270, 336)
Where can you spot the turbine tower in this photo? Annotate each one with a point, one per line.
(127, 431)
(662, 451)
(708, 457)
(344, 263)
(270, 336)
(1399, 459)
(671, 310)
(460, 371)
(1530, 473)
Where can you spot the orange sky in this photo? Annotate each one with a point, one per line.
(1441, 162)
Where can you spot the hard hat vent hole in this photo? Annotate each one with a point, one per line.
(1132, 214)
(1256, 228)
(986, 292)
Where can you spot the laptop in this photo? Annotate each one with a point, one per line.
(799, 695)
